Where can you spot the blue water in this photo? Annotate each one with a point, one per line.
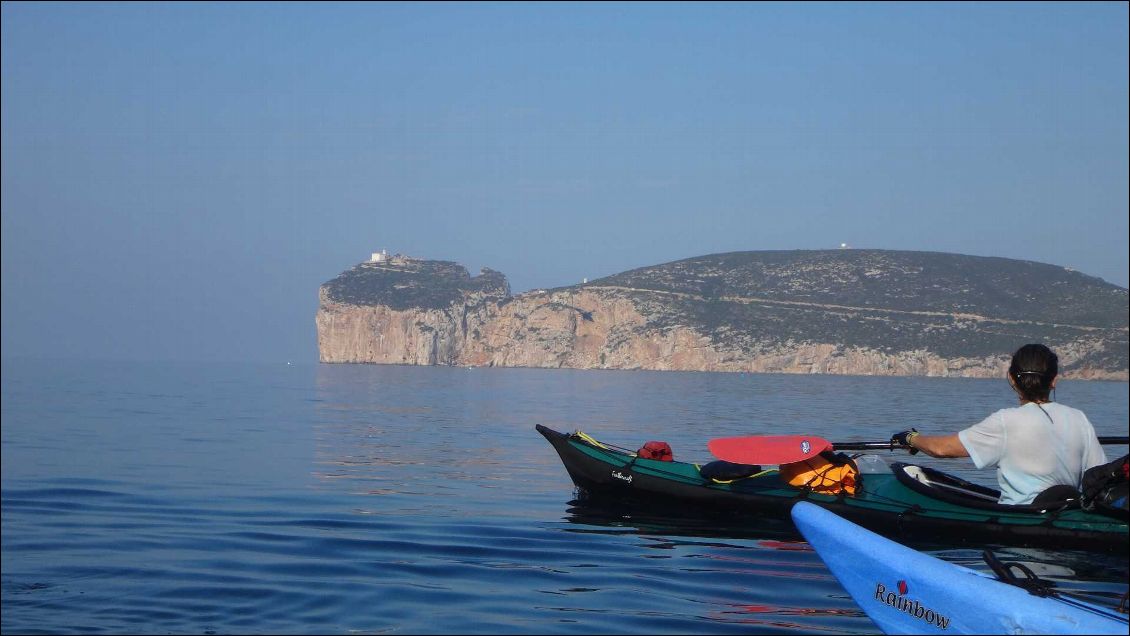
(192, 498)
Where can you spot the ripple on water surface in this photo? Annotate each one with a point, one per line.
(336, 499)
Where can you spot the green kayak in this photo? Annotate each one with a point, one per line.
(898, 500)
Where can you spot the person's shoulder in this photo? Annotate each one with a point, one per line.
(1022, 413)
(1059, 406)
(1008, 411)
(995, 419)
(1063, 408)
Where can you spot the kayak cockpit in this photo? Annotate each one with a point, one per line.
(949, 488)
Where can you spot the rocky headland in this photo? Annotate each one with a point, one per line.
(854, 312)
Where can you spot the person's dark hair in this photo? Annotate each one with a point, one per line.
(1033, 368)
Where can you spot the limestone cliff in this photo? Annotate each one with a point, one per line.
(859, 312)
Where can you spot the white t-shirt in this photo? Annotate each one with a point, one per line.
(1034, 447)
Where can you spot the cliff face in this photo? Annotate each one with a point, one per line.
(404, 311)
(859, 312)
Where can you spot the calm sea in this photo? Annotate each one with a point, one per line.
(191, 498)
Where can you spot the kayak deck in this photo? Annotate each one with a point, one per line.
(884, 502)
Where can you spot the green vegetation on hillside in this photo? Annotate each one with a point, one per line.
(404, 284)
(998, 288)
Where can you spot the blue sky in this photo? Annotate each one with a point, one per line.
(178, 179)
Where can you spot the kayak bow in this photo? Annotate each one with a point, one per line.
(907, 592)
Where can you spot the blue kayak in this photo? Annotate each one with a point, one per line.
(907, 592)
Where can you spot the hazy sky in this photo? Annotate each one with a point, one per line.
(178, 179)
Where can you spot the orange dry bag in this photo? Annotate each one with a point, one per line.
(827, 473)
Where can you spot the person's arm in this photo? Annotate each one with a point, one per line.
(932, 445)
(939, 445)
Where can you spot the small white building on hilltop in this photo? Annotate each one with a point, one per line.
(379, 257)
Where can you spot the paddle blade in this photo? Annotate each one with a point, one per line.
(768, 449)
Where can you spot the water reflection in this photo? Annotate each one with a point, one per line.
(643, 518)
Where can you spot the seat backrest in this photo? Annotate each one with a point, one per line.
(1061, 493)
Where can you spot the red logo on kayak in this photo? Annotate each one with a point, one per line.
(902, 587)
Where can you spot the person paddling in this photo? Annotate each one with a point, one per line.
(1035, 446)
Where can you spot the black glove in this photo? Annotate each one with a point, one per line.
(902, 440)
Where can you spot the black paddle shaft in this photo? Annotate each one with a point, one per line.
(888, 446)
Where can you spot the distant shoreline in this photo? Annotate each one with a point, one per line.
(869, 313)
